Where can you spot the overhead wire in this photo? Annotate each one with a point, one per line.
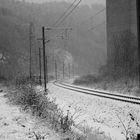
(91, 17)
(69, 12)
(97, 26)
(65, 16)
(65, 12)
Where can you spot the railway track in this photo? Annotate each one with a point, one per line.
(102, 94)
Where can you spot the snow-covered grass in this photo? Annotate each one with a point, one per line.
(35, 102)
(112, 118)
(18, 125)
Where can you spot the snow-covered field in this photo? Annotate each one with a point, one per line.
(112, 117)
(17, 125)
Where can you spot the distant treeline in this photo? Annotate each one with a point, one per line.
(86, 47)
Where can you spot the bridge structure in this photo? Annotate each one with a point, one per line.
(121, 18)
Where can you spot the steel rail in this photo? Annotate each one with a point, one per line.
(123, 98)
(103, 92)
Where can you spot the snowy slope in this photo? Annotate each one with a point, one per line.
(96, 112)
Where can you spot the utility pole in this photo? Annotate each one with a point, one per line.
(73, 70)
(69, 68)
(138, 34)
(47, 75)
(56, 69)
(44, 57)
(43, 37)
(65, 43)
(138, 136)
(40, 67)
(63, 70)
(30, 44)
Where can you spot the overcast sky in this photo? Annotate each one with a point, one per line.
(83, 1)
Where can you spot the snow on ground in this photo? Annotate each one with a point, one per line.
(17, 125)
(97, 112)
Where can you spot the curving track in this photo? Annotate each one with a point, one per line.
(102, 94)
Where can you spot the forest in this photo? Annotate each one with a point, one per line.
(84, 48)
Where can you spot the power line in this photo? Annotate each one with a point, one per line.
(65, 12)
(97, 26)
(70, 12)
(91, 17)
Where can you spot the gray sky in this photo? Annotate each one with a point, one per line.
(83, 1)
